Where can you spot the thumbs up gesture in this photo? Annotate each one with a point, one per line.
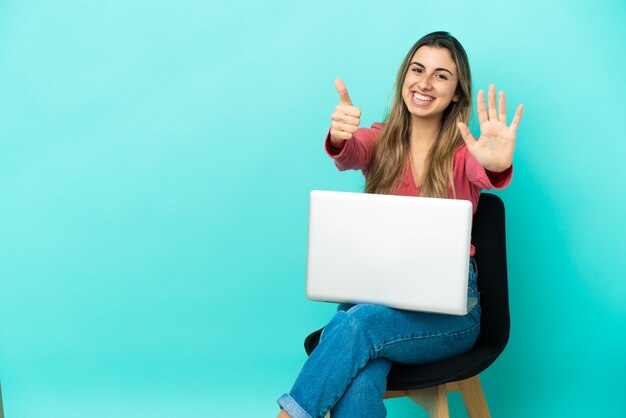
(345, 119)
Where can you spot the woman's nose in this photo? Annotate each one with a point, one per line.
(424, 83)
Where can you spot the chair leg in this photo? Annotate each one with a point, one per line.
(474, 398)
(434, 400)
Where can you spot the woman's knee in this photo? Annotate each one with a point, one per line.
(358, 326)
(355, 321)
(365, 316)
(362, 325)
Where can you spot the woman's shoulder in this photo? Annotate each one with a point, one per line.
(465, 162)
(376, 127)
(461, 153)
(463, 159)
(370, 134)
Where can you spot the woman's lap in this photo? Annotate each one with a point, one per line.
(412, 337)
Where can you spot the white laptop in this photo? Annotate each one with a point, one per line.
(403, 252)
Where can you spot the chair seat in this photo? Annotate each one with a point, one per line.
(464, 366)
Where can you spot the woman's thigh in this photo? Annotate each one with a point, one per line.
(413, 337)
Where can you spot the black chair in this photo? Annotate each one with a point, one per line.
(428, 384)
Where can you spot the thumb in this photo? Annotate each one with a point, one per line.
(467, 135)
(343, 92)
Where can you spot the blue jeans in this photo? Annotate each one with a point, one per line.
(346, 374)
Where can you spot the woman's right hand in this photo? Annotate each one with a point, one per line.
(345, 119)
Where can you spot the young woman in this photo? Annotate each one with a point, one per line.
(424, 148)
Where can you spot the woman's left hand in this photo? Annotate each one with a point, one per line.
(494, 149)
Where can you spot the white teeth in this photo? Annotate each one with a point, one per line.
(422, 98)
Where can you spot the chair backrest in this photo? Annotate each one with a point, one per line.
(489, 238)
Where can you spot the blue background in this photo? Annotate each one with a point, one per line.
(155, 164)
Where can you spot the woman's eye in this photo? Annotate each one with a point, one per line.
(417, 70)
(441, 76)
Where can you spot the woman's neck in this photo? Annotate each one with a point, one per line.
(424, 133)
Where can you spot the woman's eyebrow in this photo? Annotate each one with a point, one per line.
(436, 69)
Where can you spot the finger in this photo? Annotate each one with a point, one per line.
(491, 103)
(470, 141)
(482, 112)
(343, 127)
(346, 136)
(517, 117)
(342, 117)
(343, 92)
(502, 107)
(348, 110)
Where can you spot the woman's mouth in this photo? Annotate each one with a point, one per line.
(421, 99)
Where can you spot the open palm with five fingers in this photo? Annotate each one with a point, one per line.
(496, 144)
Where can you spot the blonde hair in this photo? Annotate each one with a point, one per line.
(393, 144)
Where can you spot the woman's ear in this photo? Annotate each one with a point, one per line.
(457, 94)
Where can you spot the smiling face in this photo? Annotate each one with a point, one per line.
(430, 83)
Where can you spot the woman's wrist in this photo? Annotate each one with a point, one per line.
(336, 144)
